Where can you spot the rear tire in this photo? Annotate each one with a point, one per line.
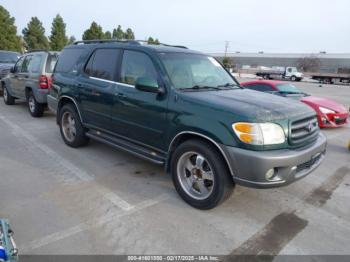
(200, 175)
(8, 99)
(72, 130)
(35, 109)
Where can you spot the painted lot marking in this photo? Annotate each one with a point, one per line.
(66, 165)
(323, 193)
(271, 239)
(88, 225)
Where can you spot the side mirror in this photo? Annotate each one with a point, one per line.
(13, 70)
(147, 84)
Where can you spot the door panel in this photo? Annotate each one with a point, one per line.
(97, 86)
(15, 77)
(139, 115)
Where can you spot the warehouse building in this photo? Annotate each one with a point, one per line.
(329, 63)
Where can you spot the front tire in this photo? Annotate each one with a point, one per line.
(8, 99)
(72, 130)
(200, 175)
(293, 78)
(35, 109)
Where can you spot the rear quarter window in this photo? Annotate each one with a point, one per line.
(51, 62)
(67, 61)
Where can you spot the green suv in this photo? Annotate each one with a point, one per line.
(181, 109)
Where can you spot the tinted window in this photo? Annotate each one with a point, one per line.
(26, 62)
(260, 87)
(103, 64)
(18, 66)
(67, 62)
(135, 65)
(35, 63)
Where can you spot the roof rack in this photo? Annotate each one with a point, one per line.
(125, 41)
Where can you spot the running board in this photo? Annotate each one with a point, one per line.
(140, 151)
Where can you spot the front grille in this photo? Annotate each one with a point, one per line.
(4, 73)
(340, 121)
(303, 130)
(308, 164)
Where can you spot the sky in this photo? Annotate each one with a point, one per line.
(271, 26)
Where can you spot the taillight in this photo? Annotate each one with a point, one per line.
(45, 82)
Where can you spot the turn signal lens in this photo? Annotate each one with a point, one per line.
(259, 133)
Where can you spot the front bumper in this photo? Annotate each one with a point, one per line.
(333, 120)
(250, 167)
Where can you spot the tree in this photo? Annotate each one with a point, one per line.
(34, 35)
(8, 32)
(129, 34)
(94, 32)
(108, 35)
(71, 40)
(227, 62)
(152, 41)
(118, 33)
(309, 64)
(58, 37)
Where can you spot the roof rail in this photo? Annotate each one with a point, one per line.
(99, 41)
(125, 41)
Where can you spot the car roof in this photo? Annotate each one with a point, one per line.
(262, 81)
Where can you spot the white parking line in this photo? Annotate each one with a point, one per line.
(37, 243)
(73, 169)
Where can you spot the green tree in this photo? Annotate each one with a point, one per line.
(34, 35)
(129, 34)
(94, 32)
(71, 40)
(156, 41)
(58, 37)
(227, 62)
(118, 33)
(150, 41)
(108, 35)
(8, 32)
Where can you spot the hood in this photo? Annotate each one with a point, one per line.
(5, 66)
(324, 102)
(257, 106)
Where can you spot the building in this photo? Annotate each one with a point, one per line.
(329, 63)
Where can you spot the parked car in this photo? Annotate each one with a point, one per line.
(30, 79)
(329, 113)
(7, 60)
(181, 109)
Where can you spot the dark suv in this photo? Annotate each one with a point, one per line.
(30, 79)
(7, 60)
(182, 109)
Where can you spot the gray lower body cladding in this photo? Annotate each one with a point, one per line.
(284, 166)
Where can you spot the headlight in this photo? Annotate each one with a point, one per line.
(259, 134)
(326, 110)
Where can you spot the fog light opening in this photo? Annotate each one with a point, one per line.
(270, 174)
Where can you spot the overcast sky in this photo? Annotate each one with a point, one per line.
(249, 25)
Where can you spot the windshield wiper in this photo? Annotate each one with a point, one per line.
(200, 87)
(228, 85)
(291, 93)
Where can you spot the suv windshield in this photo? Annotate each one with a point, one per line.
(288, 88)
(195, 71)
(8, 57)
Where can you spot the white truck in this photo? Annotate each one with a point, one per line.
(278, 72)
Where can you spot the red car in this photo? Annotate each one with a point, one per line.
(329, 112)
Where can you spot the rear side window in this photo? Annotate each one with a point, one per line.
(35, 64)
(260, 87)
(26, 62)
(51, 62)
(67, 62)
(103, 64)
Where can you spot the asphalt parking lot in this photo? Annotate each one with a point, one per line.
(98, 200)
